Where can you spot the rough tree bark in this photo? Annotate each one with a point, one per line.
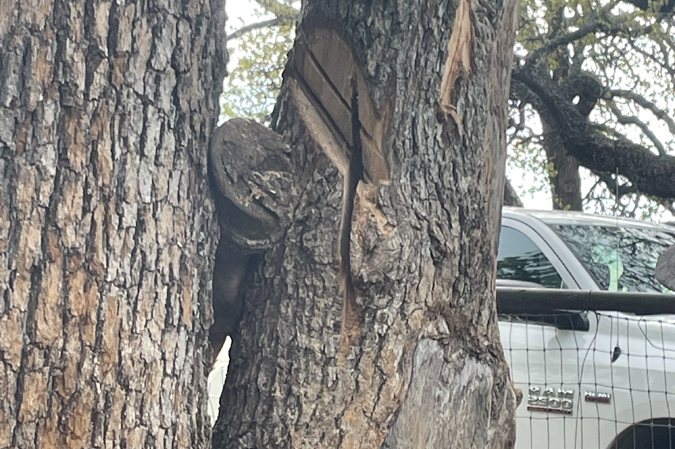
(422, 365)
(107, 227)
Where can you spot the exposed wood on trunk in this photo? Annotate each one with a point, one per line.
(324, 64)
(459, 57)
(107, 229)
(426, 287)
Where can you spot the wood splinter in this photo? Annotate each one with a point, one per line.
(458, 62)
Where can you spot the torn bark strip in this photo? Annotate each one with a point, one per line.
(459, 57)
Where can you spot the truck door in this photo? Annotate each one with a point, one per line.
(545, 355)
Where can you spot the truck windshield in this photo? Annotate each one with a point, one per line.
(619, 258)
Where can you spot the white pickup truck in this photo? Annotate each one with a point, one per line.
(600, 379)
(589, 379)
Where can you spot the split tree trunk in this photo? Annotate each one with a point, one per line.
(106, 224)
(421, 364)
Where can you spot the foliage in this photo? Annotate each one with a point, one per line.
(252, 84)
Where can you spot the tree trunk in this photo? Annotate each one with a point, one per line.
(107, 226)
(416, 362)
(564, 176)
(511, 197)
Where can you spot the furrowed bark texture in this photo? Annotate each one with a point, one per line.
(425, 368)
(107, 226)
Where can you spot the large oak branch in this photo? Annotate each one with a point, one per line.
(652, 174)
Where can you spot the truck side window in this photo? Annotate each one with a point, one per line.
(520, 259)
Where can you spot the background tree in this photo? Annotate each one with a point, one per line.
(423, 243)
(597, 76)
(260, 49)
(107, 227)
(612, 61)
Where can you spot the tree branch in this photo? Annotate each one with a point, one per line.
(652, 174)
(646, 104)
(618, 189)
(632, 120)
(655, 59)
(258, 25)
(612, 27)
(278, 8)
(550, 46)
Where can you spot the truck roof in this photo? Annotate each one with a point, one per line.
(579, 218)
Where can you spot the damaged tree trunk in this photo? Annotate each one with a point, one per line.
(107, 229)
(415, 360)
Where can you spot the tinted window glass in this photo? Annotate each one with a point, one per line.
(520, 259)
(619, 258)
